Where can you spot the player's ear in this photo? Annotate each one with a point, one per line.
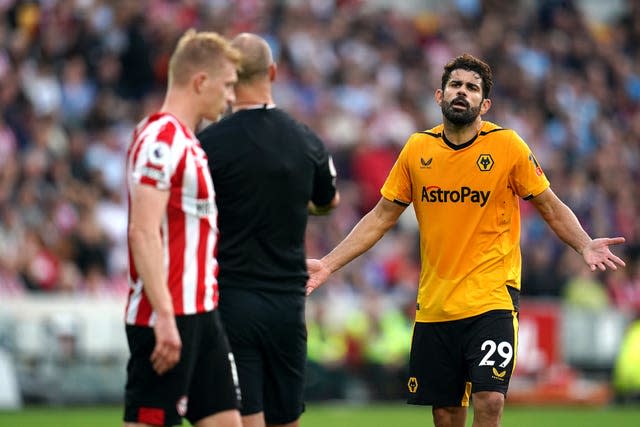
(485, 106)
(438, 95)
(198, 81)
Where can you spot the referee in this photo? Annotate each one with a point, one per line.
(269, 173)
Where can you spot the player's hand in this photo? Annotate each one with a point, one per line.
(166, 353)
(598, 256)
(318, 273)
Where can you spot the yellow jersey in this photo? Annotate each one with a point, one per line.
(466, 200)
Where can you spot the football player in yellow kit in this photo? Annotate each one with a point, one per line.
(464, 178)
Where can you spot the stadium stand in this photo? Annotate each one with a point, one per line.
(75, 76)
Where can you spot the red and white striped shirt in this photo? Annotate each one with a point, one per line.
(167, 155)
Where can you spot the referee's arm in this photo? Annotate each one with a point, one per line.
(324, 209)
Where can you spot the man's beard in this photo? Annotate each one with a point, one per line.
(459, 117)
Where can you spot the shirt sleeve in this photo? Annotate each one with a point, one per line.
(397, 186)
(158, 158)
(324, 183)
(527, 178)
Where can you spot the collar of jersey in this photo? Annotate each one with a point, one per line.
(264, 106)
(458, 147)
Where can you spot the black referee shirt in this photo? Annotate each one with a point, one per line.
(266, 166)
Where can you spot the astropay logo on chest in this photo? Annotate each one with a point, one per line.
(435, 194)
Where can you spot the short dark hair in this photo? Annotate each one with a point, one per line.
(470, 63)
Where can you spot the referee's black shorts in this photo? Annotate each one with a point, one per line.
(451, 360)
(203, 383)
(268, 337)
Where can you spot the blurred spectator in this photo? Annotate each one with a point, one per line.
(386, 348)
(624, 288)
(90, 243)
(41, 267)
(78, 92)
(370, 166)
(326, 354)
(584, 290)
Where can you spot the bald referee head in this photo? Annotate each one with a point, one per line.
(257, 69)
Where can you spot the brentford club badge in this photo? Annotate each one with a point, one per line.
(181, 406)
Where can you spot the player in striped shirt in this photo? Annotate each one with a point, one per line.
(465, 178)
(181, 364)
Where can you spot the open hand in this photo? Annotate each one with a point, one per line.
(598, 256)
(318, 273)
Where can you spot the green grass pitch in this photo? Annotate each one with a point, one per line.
(322, 415)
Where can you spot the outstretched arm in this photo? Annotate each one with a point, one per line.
(564, 223)
(364, 235)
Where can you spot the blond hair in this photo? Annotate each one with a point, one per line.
(198, 51)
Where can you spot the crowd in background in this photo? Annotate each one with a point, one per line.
(77, 75)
